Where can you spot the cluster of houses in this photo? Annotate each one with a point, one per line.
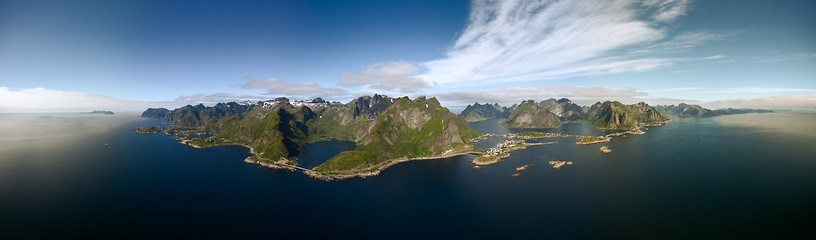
(499, 148)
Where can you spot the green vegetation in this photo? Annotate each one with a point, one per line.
(148, 130)
(406, 129)
(530, 115)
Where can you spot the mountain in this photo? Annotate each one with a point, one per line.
(616, 115)
(155, 113)
(686, 110)
(407, 128)
(551, 113)
(529, 114)
(193, 116)
(384, 128)
(563, 108)
(106, 112)
(479, 112)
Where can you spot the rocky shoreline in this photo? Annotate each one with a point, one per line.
(376, 169)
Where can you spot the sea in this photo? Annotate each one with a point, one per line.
(737, 176)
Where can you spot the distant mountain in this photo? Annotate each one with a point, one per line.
(101, 112)
(155, 113)
(529, 114)
(687, 110)
(384, 128)
(479, 112)
(551, 113)
(616, 115)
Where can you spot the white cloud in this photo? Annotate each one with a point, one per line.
(509, 41)
(389, 76)
(218, 97)
(793, 102)
(48, 100)
(668, 10)
(275, 86)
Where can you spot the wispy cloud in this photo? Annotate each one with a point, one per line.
(511, 41)
(275, 86)
(388, 76)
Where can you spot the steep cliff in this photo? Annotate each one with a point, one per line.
(529, 114)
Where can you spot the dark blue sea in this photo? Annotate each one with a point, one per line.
(738, 176)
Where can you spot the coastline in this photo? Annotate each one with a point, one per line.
(330, 175)
(376, 169)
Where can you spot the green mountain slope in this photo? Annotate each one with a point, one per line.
(406, 129)
(616, 115)
(529, 114)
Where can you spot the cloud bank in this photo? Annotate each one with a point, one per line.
(388, 76)
(47, 100)
(275, 86)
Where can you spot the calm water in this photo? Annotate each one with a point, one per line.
(731, 176)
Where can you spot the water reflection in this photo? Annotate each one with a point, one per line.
(45, 132)
(799, 123)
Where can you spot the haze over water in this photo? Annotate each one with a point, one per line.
(748, 175)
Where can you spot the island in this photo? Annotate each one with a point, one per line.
(387, 130)
(148, 130)
(502, 150)
(557, 164)
(105, 112)
(585, 140)
(605, 149)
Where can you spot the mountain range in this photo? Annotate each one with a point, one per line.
(551, 113)
(687, 110)
(384, 128)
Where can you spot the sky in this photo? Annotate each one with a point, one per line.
(129, 55)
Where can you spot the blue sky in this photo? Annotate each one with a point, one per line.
(60, 55)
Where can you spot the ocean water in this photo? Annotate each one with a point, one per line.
(751, 175)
